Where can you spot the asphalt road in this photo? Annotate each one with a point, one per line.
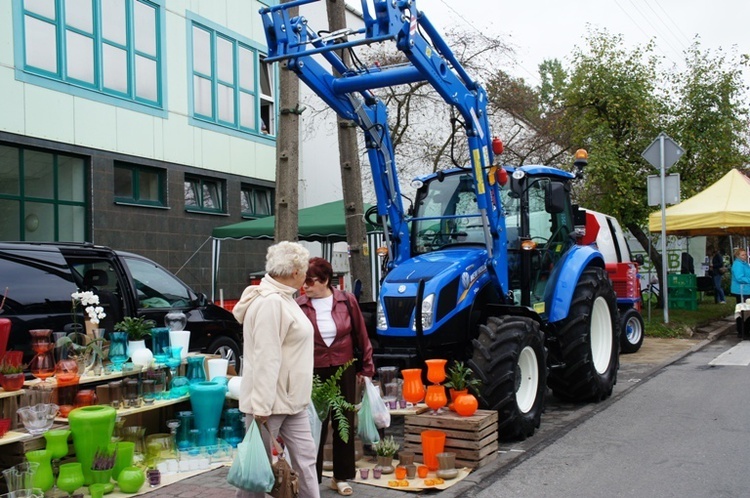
(684, 432)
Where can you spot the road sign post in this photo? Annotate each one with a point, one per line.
(662, 154)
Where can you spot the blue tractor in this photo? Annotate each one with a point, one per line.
(484, 267)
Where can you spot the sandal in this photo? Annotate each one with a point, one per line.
(341, 487)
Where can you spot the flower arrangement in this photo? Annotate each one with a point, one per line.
(387, 447)
(91, 303)
(137, 327)
(103, 460)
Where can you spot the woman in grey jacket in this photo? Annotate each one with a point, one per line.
(278, 360)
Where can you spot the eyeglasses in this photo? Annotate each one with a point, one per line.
(310, 281)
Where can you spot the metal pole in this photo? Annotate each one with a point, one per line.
(664, 257)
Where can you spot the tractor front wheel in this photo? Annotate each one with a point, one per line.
(509, 358)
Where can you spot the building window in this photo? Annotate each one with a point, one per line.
(42, 196)
(232, 85)
(256, 202)
(204, 194)
(136, 184)
(112, 47)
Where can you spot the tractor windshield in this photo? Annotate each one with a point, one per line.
(446, 213)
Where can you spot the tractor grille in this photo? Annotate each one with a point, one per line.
(398, 310)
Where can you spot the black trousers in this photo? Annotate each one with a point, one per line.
(343, 453)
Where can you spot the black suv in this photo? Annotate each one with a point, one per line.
(39, 278)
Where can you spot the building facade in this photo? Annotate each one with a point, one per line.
(140, 125)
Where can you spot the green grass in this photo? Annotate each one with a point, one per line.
(683, 322)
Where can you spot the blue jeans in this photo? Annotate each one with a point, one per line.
(718, 291)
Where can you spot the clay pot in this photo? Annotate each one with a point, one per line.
(406, 458)
(447, 465)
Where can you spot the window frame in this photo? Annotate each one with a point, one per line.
(202, 181)
(260, 100)
(61, 80)
(251, 190)
(135, 171)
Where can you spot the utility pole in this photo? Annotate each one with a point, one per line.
(286, 225)
(351, 176)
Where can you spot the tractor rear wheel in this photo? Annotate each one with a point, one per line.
(588, 341)
(510, 360)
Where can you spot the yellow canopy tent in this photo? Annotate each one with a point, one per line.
(721, 209)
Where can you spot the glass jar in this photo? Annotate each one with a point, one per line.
(195, 371)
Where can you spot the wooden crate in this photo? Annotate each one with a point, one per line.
(473, 439)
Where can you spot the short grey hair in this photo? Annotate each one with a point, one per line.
(284, 258)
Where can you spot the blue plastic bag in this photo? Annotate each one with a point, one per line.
(251, 469)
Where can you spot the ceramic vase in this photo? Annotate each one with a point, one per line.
(180, 338)
(413, 390)
(207, 402)
(124, 457)
(131, 479)
(70, 477)
(42, 478)
(92, 428)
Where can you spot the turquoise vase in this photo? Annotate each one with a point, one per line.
(92, 428)
(118, 349)
(160, 343)
(195, 371)
(207, 401)
(43, 478)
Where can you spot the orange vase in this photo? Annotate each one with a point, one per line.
(436, 370)
(435, 397)
(466, 405)
(454, 396)
(433, 442)
(413, 390)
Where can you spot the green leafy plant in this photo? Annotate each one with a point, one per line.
(80, 345)
(327, 396)
(9, 369)
(461, 377)
(103, 459)
(137, 327)
(387, 446)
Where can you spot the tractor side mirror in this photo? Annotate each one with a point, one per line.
(555, 199)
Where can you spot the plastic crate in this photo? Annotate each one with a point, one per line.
(684, 281)
(683, 304)
(682, 293)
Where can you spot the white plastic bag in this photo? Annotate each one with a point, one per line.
(251, 469)
(380, 414)
(366, 429)
(316, 425)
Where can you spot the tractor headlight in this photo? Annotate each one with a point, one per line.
(381, 324)
(427, 312)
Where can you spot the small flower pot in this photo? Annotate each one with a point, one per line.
(12, 382)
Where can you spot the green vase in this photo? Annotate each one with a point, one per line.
(92, 428)
(101, 476)
(124, 457)
(131, 479)
(71, 477)
(42, 478)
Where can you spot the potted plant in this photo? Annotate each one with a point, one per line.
(11, 376)
(385, 449)
(81, 348)
(102, 465)
(137, 329)
(460, 380)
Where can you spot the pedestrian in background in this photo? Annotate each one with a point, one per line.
(278, 361)
(718, 269)
(338, 322)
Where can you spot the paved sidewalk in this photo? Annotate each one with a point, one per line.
(558, 419)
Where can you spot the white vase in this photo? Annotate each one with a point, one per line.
(233, 387)
(181, 338)
(134, 346)
(217, 367)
